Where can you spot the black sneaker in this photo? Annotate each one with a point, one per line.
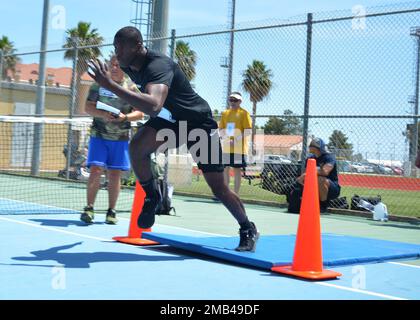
(151, 205)
(248, 238)
(323, 206)
(111, 217)
(88, 215)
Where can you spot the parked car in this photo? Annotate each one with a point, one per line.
(357, 167)
(368, 168)
(378, 169)
(343, 166)
(275, 158)
(397, 171)
(388, 170)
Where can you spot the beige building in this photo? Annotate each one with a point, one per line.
(18, 98)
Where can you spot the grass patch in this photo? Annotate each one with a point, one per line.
(398, 202)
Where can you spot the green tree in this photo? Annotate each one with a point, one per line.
(257, 82)
(274, 125)
(358, 157)
(82, 36)
(187, 59)
(293, 124)
(290, 125)
(10, 62)
(338, 143)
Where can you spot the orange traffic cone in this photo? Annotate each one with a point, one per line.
(307, 259)
(134, 232)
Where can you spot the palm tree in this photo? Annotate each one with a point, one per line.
(257, 82)
(187, 59)
(9, 62)
(82, 36)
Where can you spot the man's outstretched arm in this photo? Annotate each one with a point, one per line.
(150, 102)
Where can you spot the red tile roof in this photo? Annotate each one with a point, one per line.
(60, 75)
(283, 141)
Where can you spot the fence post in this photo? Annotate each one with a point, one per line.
(40, 96)
(307, 88)
(415, 139)
(231, 48)
(73, 94)
(1, 65)
(166, 167)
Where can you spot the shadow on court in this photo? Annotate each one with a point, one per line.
(84, 259)
(411, 226)
(62, 223)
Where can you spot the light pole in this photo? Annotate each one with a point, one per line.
(393, 153)
(415, 134)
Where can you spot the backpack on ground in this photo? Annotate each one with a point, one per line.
(294, 198)
(356, 202)
(339, 203)
(166, 192)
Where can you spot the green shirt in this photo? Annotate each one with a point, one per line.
(107, 130)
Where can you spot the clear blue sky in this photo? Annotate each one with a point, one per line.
(337, 87)
(21, 19)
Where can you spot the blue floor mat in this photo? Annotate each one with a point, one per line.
(277, 250)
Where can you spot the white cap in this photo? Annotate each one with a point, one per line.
(236, 96)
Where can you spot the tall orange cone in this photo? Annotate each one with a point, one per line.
(307, 259)
(134, 231)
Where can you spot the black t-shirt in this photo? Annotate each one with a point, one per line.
(324, 159)
(182, 101)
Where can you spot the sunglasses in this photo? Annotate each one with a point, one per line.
(233, 100)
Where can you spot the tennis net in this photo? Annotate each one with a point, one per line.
(56, 183)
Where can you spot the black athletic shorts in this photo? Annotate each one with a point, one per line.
(234, 160)
(202, 140)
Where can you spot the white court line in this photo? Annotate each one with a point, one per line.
(40, 205)
(121, 218)
(404, 264)
(371, 293)
(54, 229)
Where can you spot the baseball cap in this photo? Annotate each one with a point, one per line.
(236, 96)
(317, 143)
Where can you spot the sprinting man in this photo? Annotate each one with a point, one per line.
(167, 97)
(108, 144)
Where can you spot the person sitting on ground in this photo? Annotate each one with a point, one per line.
(329, 188)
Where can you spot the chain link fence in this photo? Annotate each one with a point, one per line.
(349, 77)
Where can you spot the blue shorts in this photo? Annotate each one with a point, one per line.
(112, 155)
